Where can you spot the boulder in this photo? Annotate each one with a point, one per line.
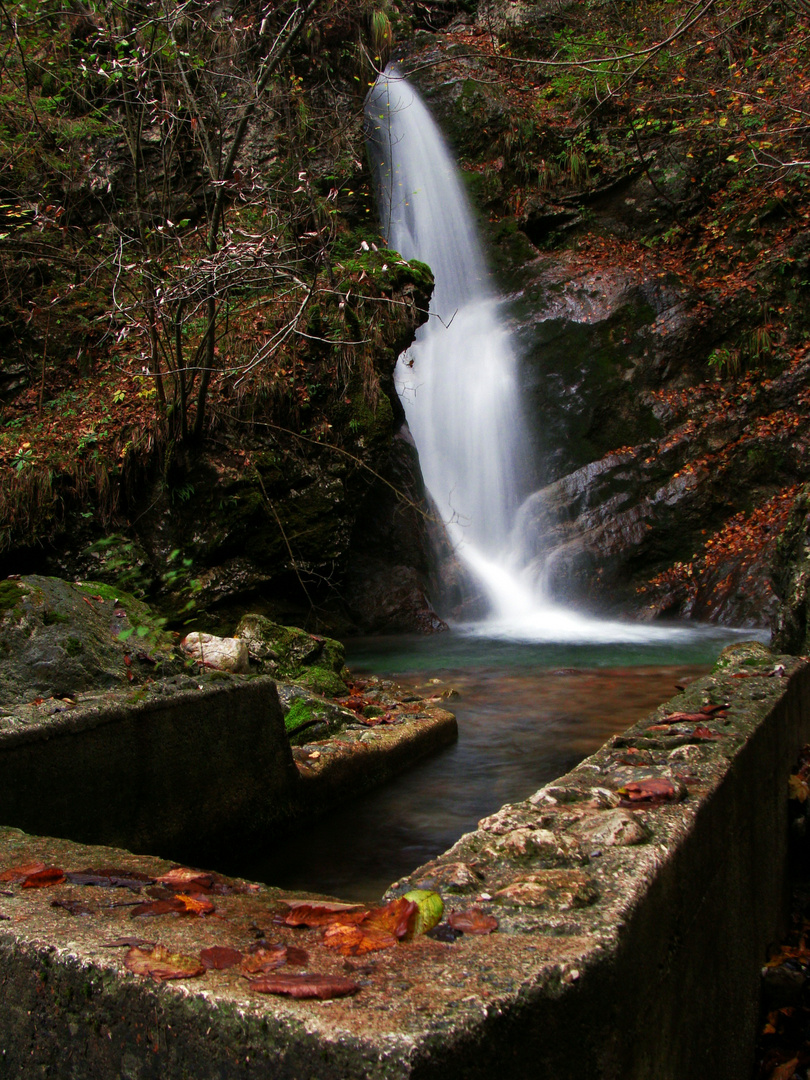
(222, 653)
(293, 655)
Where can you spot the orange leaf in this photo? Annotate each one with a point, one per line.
(395, 918)
(161, 964)
(195, 905)
(356, 940)
(307, 914)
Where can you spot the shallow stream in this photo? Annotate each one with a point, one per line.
(527, 712)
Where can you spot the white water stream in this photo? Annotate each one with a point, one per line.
(458, 382)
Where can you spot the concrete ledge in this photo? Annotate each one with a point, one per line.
(629, 944)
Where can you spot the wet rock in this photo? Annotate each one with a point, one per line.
(223, 654)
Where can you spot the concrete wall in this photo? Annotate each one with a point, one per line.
(179, 774)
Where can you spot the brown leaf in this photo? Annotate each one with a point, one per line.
(220, 957)
(473, 921)
(19, 873)
(308, 914)
(353, 940)
(263, 958)
(180, 877)
(108, 878)
(321, 987)
(158, 907)
(706, 734)
(162, 965)
(74, 907)
(397, 917)
(41, 879)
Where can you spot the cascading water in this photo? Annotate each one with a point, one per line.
(458, 382)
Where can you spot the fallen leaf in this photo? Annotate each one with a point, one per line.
(110, 879)
(74, 907)
(161, 965)
(158, 907)
(786, 1071)
(19, 873)
(473, 921)
(397, 917)
(429, 910)
(195, 905)
(118, 943)
(308, 914)
(322, 987)
(263, 958)
(220, 958)
(706, 734)
(353, 940)
(41, 879)
(180, 877)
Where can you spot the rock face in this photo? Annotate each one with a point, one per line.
(59, 637)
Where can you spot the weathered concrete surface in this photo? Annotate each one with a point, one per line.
(613, 959)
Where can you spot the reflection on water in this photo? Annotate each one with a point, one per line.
(526, 714)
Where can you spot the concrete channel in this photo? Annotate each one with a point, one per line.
(634, 900)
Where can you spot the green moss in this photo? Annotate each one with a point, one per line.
(320, 681)
(11, 593)
(300, 712)
(51, 618)
(73, 646)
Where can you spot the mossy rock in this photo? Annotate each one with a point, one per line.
(744, 654)
(59, 637)
(293, 655)
(308, 716)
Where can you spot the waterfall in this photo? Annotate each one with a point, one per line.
(458, 382)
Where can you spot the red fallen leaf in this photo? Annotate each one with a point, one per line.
(297, 957)
(713, 710)
(683, 718)
(19, 873)
(220, 957)
(658, 727)
(322, 987)
(395, 918)
(653, 789)
(161, 965)
(263, 958)
(308, 914)
(473, 921)
(180, 877)
(41, 879)
(158, 907)
(74, 907)
(705, 733)
(353, 940)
